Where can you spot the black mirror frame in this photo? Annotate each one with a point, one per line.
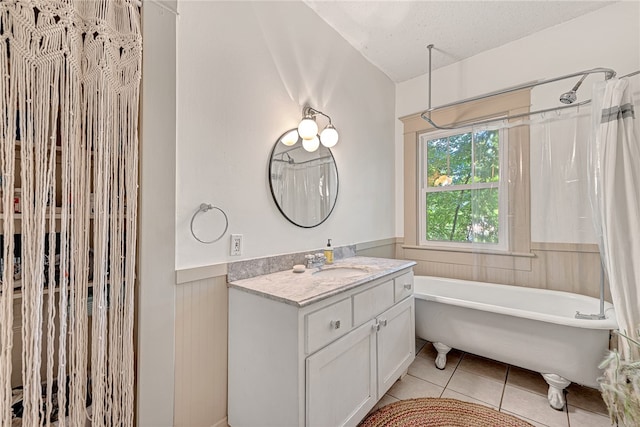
(276, 200)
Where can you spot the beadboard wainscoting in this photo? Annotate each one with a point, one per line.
(201, 350)
(569, 267)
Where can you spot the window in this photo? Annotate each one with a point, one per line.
(463, 199)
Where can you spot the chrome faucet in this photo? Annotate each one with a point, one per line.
(315, 260)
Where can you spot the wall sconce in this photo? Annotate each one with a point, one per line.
(308, 131)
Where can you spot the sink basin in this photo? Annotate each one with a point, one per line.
(340, 272)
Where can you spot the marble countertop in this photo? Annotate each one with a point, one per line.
(302, 289)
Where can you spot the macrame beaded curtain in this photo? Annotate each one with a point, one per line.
(69, 85)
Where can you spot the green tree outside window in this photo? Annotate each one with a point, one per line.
(462, 197)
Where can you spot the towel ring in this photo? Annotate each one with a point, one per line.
(203, 208)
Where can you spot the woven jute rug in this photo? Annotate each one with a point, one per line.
(435, 412)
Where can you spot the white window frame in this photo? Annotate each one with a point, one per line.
(502, 185)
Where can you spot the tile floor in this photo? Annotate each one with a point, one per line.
(503, 387)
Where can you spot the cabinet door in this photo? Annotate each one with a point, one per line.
(396, 343)
(341, 379)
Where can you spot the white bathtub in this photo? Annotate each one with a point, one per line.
(531, 328)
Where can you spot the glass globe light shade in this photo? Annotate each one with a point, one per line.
(308, 128)
(290, 138)
(329, 136)
(311, 144)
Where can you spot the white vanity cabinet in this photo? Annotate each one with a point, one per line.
(323, 364)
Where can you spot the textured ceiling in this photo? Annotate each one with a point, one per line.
(393, 34)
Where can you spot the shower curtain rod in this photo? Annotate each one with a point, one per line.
(426, 115)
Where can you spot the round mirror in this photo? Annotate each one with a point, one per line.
(304, 184)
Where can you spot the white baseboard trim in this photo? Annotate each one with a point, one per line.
(199, 273)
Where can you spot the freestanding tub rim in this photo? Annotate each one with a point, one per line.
(433, 288)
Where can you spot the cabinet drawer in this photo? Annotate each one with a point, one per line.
(403, 286)
(373, 301)
(327, 324)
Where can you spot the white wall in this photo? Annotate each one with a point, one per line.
(245, 71)
(156, 218)
(608, 37)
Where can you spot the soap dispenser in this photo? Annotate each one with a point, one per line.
(328, 253)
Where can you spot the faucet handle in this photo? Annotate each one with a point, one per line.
(310, 259)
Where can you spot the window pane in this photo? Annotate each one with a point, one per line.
(487, 158)
(449, 160)
(448, 215)
(463, 216)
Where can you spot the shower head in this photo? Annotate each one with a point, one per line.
(570, 97)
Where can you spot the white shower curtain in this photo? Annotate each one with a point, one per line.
(614, 158)
(303, 190)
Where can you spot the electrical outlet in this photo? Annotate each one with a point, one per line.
(236, 244)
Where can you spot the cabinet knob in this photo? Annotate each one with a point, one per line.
(383, 322)
(407, 286)
(335, 324)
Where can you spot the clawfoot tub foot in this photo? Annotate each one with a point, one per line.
(441, 359)
(557, 384)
